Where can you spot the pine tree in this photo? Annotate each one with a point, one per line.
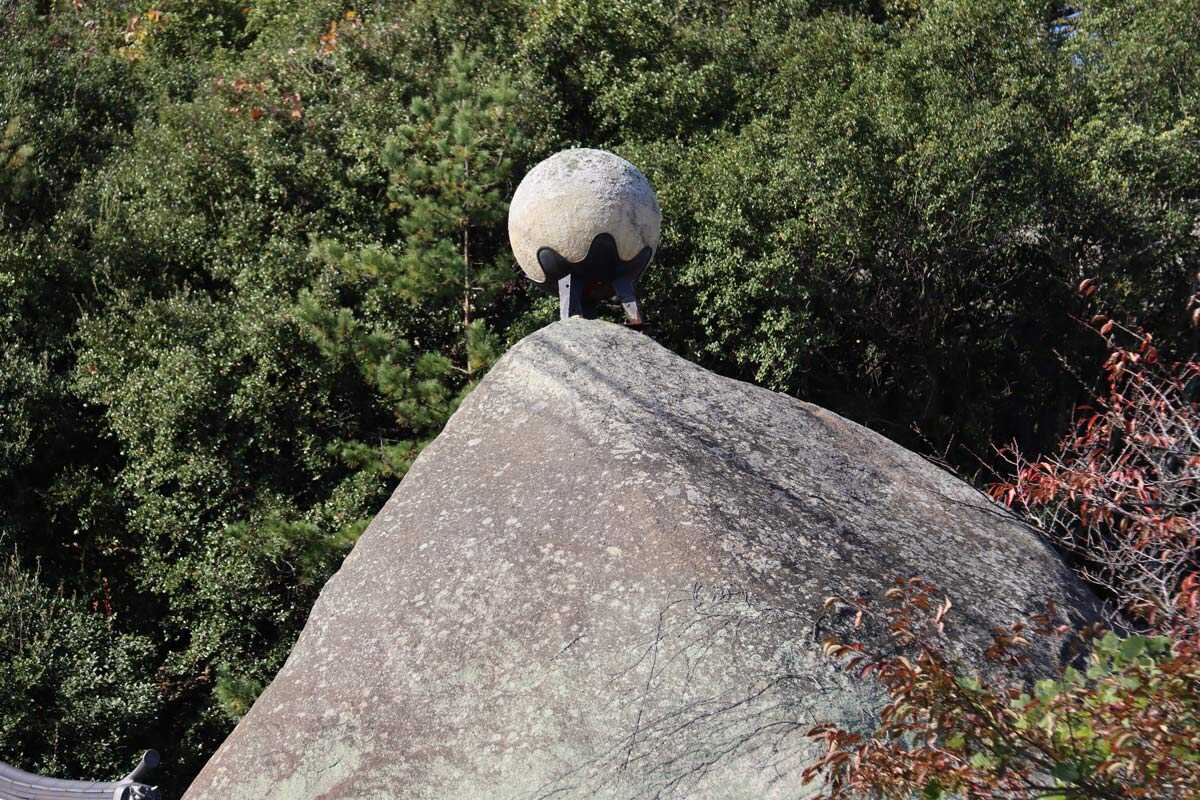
(412, 320)
(448, 166)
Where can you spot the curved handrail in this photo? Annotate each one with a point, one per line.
(17, 784)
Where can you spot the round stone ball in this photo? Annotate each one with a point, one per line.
(572, 197)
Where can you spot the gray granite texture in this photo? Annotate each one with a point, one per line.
(605, 578)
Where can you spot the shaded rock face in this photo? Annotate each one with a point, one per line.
(605, 579)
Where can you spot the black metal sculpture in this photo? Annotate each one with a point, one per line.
(601, 274)
(16, 784)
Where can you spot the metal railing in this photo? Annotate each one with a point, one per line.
(16, 784)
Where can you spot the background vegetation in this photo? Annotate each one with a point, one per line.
(234, 301)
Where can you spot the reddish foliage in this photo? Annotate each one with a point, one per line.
(1123, 492)
(1122, 495)
(1128, 728)
(240, 91)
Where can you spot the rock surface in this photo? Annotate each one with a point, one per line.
(605, 579)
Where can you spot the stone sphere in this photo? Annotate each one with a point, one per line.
(574, 196)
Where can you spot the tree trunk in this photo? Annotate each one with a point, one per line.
(466, 251)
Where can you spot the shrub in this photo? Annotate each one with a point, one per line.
(1125, 726)
(1122, 493)
(76, 695)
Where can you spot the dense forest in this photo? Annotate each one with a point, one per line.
(237, 242)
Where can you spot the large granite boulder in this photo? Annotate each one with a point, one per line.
(605, 579)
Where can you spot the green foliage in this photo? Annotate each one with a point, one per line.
(1127, 726)
(1097, 724)
(75, 693)
(411, 321)
(447, 168)
(903, 211)
(253, 255)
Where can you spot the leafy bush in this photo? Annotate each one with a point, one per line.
(1127, 726)
(898, 231)
(76, 695)
(1120, 496)
(1121, 493)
